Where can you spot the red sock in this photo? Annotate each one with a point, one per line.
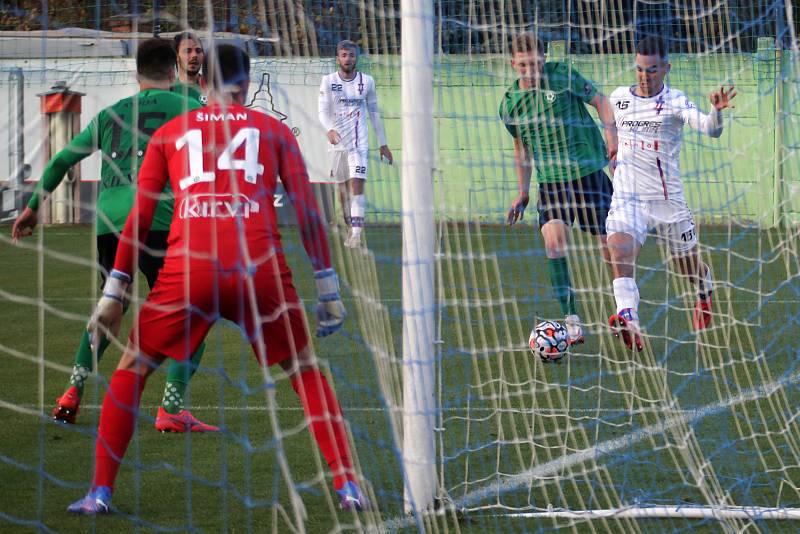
(117, 423)
(325, 421)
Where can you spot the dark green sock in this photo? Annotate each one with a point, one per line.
(562, 288)
(83, 361)
(178, 380)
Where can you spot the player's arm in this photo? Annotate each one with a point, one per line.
(324, 110)
(377, 123)
(330, 310)
(523, 168)
(710, 124)
(152, 178)
(584, 89)
(81, 146)
(606, 113)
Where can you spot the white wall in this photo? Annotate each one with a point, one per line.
(106, 80)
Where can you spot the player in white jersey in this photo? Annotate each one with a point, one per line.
(648, 191)
(346, 98)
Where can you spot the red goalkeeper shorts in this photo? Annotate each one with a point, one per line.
(181, 308)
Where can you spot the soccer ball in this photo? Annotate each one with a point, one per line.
(548, 341)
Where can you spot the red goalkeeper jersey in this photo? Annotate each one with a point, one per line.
(223, 163)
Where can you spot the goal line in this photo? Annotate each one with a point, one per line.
(688, 511)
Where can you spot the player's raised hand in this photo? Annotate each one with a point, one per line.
(386, 153)
(721, 100)
(334, 137)
(517, 211)
(330, 310)
(24, 224)
(107, 315)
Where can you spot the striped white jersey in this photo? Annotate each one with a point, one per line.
(344, 106)
(650, 132)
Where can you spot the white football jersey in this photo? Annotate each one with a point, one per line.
(650, 132)
(344, 106)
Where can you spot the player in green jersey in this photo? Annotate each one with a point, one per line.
(121, 132)
(190, 53)
(545, 111)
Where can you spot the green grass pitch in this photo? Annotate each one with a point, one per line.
(509, 410)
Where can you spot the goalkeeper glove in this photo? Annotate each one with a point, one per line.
(330, 310)
(107, 315)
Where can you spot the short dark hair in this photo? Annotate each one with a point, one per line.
(179, 38)
(652, 45)
(346, 44)
(155, 59)
(227, 64)
(527, 42)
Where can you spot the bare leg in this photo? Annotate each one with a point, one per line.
(138, 363)
(344, 202)
(689, 264)
(356, 186)
(602, 240)
(699, 275)
(623, 251)
(556, 235)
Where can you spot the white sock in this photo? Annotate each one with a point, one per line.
(358, 206)
(626, 293)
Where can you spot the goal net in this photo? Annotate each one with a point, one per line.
(697, 430)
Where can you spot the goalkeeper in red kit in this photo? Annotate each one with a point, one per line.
(224, 260)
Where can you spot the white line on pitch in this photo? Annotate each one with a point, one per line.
(348, 299)
(543, 411)
(594, 452)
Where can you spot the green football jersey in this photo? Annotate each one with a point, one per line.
(189, 90)
(121, 132)
(554, 124)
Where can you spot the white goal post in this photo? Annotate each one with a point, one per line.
(420, 403)
(419, 396)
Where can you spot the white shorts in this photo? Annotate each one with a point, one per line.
(671, 220)
(346, 164)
